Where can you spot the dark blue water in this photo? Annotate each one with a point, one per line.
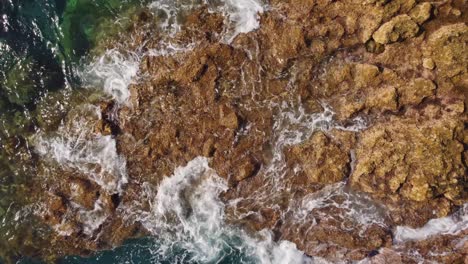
(145, 251)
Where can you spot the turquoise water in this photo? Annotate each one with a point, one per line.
(43, 44)
(145, 251)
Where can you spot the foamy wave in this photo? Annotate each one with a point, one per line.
(92, 219)
(170, 12)
(187, 213)
(113, 72)
(292, 126)
(450, 225)
(77, 147)
(244, 14)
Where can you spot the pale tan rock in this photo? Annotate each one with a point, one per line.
(416, 91)
(447, 47)
(456, 12)
(407, 158)
(399, 27)
(383, 99)
(365, 74)
(228, 118)
(321, 159)
(428, 63)
(421, 12)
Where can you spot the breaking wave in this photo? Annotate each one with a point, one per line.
(113, 72)
(186, 214)
(77, 147)
(242, 16)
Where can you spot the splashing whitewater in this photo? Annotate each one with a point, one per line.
(186, 213)
(77, 147)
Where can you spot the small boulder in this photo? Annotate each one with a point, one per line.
(428, 63)
(245, 170)
(398, 28)
(416, 91)
(421, 12)
(228, 117)
(365, 74)
(321, 159)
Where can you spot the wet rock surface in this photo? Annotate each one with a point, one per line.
(394, 74)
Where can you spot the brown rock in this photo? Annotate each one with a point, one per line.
(416, 91)
(421, 12)
(399, 28)
(402, 159)
(81, 192)
(447, 47)
(365, 75)
(321, 159)
(221, 101)
(245, 170)
(228, 117)
(386, 256)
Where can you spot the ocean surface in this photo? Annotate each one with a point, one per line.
(43, 45)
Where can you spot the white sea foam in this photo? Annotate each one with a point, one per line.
(169, 49)
(4, 22)
(92, 219)
(244, 14)
(187, 213)
(450, 225)
(113, 72)
(292, 126)
(169, 13)
(77, 147)
(357, 209)
(166, 11)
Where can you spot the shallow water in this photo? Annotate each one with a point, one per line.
(43, 45)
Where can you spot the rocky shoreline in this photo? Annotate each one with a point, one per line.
(326, 102)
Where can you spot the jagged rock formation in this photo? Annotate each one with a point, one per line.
(400, 65)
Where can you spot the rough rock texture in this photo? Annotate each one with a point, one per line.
(415, 160)
(400, 65)
(321, 160)
(399, 28)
